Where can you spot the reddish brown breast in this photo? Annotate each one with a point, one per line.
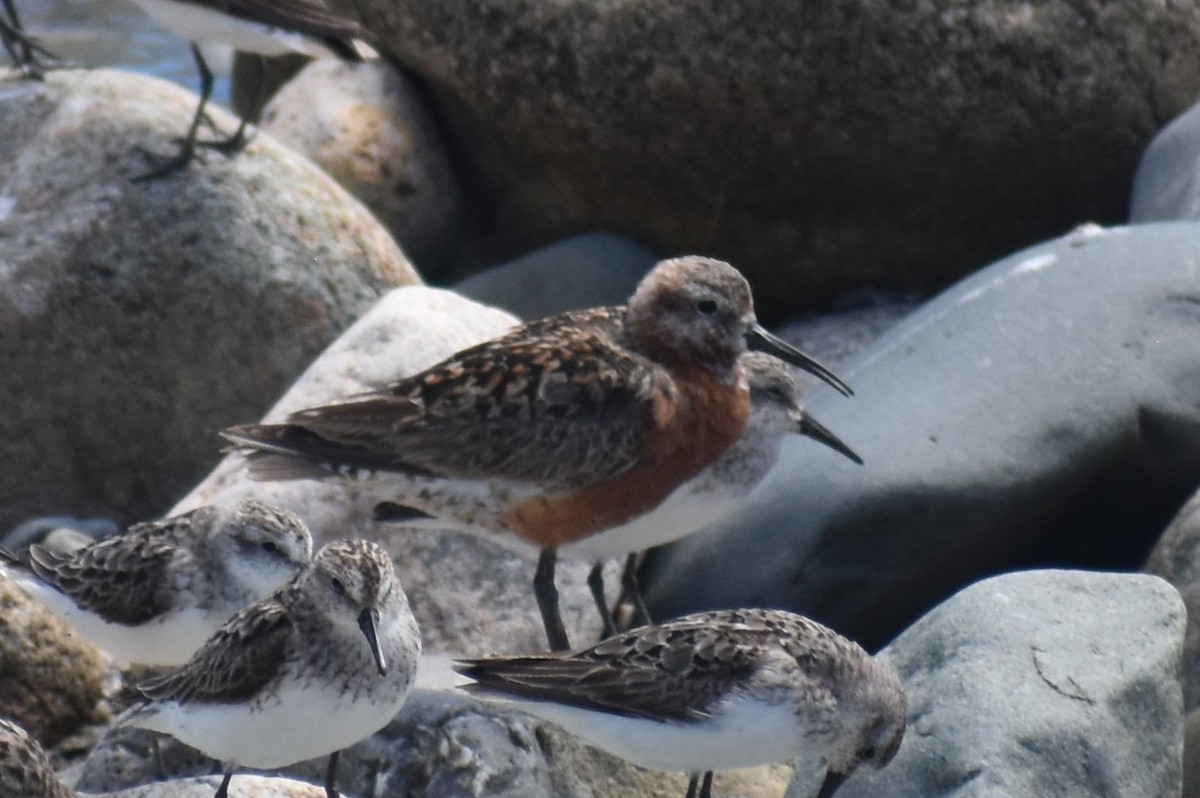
(707, 419)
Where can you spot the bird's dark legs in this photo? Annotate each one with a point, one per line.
(547, 599)
(631, 591)
(187, 148)
(223, 790)
(706, 785)
(24, 51)
(331, 776)
(596, 585)
(693, 782)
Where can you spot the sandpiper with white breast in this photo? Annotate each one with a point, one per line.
(714, 691)
(322, 664)
(155, 593)
(558, 431)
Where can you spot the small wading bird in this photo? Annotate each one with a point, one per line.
(558, 431)
(714, 691)
(263, 27)
(776, 412)
(324, 663)
(155, 593)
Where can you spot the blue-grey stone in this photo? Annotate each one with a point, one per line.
(1167, 184)
(581, 272)
(1057, 684)
(1045, 410)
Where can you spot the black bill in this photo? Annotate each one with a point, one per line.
(811, 428)
(366, 622)
(761, 340)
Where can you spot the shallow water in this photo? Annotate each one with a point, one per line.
(118, 34)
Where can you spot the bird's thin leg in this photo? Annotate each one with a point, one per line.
(331, 776)
(223, 790)
(706, 787)
(547, 599)
(238, 140)
(187, 148)
(631, 590)
(23, 50)
(596, 585)
(693, 782)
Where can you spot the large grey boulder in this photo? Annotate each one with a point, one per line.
(367, 127)
(137, 319)
(1167, 183)
(816, 145)
(1044, 683)
(1045, 410)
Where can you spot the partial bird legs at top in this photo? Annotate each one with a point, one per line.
(187, 147)
(25, 53)
(705, 787)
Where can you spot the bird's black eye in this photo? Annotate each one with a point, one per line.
(338, 587)
(775, 392)
(868, 753)
(706, 307)
(269, 546)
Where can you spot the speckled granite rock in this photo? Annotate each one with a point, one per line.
(816, 145)
(50, 679)
(365, 125)
(137, 319)
(1046, 410)
(1047, 683)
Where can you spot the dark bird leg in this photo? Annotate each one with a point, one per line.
(706, 785)
(631, 590)
(24, 51)
(234, 143)
(331, 776)
(547, 599)
(693, 782)
(596, 585)
(223, 790)
(187, 148)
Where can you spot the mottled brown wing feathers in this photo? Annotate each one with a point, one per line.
(239, 660)
(121, 579)
(664, 674)
(562, 405)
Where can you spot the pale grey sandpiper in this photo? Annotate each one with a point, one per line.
(155, 593)
(558, 431)
(714, 691)
(263, 27)
(776, 412)
(25, 770)
(322, 664)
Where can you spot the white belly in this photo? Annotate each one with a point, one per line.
(168, 640)
(304, 725)
(744, 733)
(690, 508)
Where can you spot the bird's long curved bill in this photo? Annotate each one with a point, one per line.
(831, 784)
(366, 622)
(758, 338)
(811, 428)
